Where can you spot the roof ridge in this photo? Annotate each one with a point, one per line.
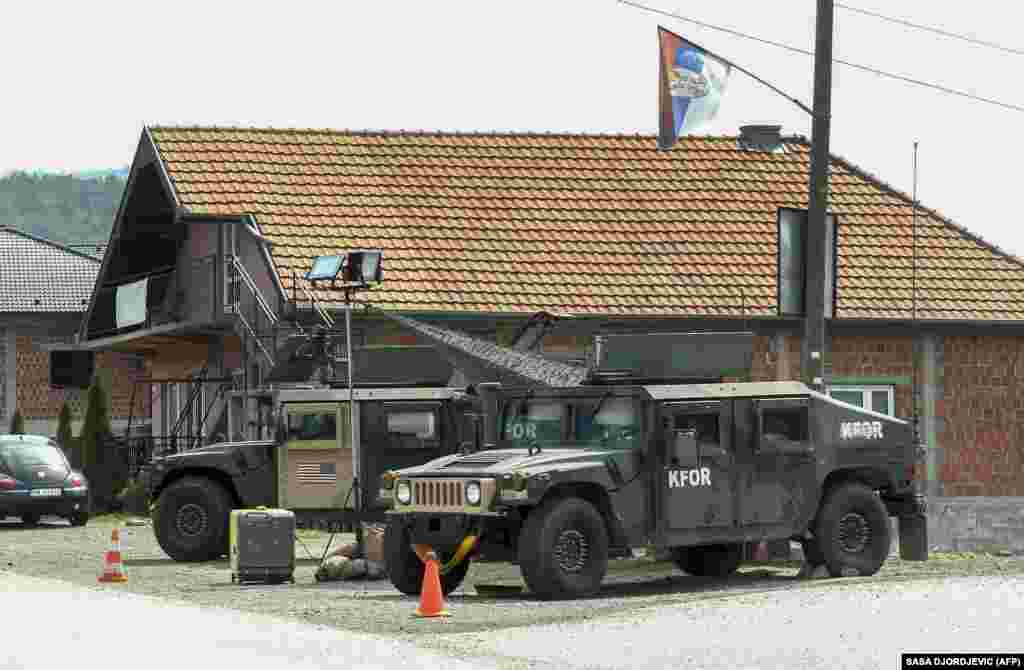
(910, 200)
(43, 240)
(405, 132)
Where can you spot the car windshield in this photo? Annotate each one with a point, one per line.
(609, 423)
(534, 423)
(16, 456)
(615, 425)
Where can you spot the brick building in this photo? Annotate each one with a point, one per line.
(44, 290)
(481, 230)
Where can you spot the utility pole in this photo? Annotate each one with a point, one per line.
(814, 344)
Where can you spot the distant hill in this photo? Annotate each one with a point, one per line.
(72, 208)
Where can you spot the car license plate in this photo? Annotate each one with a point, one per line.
(45, 493)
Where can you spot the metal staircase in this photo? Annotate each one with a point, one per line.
(255, 320)
(263, 331)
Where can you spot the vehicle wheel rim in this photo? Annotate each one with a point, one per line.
(854, 533)
(572, 550)
(191, 520)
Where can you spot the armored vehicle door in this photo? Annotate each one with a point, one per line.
(694, 472)
(314, 464)
(776, 466)
(402, 434)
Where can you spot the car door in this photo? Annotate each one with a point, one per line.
(777, 463)
(694, 473)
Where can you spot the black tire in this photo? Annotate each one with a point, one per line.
(30, 519)
(405, 569)
(79, 519)
(813, 554)
(191, 518)
(563, 549)
(686, 559)
(853, 531)
(713, 560)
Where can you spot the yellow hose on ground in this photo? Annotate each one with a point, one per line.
(423, 550)
(467, 546)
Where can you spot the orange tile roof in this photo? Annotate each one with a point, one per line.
(578, 224)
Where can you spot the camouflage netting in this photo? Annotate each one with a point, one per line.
(482, 361)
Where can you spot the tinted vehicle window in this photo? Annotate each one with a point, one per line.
(788, 424)
(616, 425)
(413, 430)
(704, 425)
(534, 422)
(312, 426)
(17, 456)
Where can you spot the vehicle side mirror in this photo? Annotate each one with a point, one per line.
(470, 432)
(684, 448)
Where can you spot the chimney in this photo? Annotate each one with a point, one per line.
(761, 137)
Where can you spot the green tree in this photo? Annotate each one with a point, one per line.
(94, 444)
(17, 424)
(65, 437)
(62, 207)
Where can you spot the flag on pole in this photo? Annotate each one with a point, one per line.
(692, 84)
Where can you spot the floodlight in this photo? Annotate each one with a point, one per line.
(363, 266)
(325, 267)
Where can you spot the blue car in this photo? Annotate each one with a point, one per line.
(36, 479)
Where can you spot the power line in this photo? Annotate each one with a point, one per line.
(856, 66)
(930, 29)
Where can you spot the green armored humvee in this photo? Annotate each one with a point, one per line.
(566, 478)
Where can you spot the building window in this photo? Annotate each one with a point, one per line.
(792, 266)
(879, 399)
(792, 262)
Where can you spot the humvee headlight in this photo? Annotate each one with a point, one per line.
(473, 493)
(403, 491)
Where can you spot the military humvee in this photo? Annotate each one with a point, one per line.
(566, 478)
(308, 469)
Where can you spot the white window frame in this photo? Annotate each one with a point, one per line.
(866, 390)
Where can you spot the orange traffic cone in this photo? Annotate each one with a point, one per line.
(431, 597)
(113, 571)
(761, 551)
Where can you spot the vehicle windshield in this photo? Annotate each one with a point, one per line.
(530, 423)
(17, 456)
(616, 425)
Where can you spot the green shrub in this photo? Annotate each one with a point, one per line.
(64, 434)
(17, 424)
(95, 447)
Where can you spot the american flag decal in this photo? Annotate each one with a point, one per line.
(317, 473)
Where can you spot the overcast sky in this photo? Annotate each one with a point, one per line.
(81, 79)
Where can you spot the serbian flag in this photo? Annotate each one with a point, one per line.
(691, 87)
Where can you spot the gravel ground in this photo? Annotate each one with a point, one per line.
(57, 551)
(796, 630)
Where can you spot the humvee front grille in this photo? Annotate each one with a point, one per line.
(438, 493)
